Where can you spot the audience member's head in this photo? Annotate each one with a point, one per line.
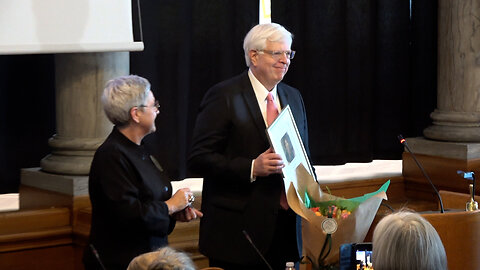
(164, 258)
(406, 241)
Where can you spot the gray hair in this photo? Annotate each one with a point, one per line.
(256, 38)
(405, 240)
(121, 94)
(165, 258)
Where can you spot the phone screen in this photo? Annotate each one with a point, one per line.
(363, 256)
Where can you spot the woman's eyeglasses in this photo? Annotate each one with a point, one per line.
(155, 105)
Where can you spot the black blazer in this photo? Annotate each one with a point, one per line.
(128, 194)
(229, 133)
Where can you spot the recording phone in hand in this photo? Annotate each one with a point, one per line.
(356, 256)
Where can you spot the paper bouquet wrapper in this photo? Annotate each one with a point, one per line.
(353, 229)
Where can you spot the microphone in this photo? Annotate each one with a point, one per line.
(469, 176)
(95, 252)
(404, 142)
(256, 249)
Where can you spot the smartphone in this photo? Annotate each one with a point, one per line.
(356, 256)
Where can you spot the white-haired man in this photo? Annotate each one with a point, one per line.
(243, 190)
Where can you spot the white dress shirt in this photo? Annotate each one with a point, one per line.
(261, 93)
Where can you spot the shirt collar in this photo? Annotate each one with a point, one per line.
(260, 91)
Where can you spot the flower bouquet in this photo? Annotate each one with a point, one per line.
(329, 221)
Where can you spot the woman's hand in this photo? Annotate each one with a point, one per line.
(187, 214)
(179, 201)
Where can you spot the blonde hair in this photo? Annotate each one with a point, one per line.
(256, 38)
(405, 240)
(121, 94)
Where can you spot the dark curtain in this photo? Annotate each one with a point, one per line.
(189, 47)
(366, 70)
(27, 114)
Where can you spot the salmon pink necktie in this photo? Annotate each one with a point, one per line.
(272, 113)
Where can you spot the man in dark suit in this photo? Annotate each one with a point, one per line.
(243, 186)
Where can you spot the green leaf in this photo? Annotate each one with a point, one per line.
(343, 204)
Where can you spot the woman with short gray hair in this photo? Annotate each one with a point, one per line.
(121, 94)
(406, 241)
(133, 209)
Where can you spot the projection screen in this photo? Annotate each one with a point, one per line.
(66, 26)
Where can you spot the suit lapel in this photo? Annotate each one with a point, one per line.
(252, 105)
(282, 94)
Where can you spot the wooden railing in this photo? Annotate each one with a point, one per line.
(53, 237)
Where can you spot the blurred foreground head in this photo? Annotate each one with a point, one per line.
(406, 241)
(164, 258)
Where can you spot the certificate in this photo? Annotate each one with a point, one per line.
(286, 141)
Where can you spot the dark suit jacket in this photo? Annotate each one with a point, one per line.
(230, 133)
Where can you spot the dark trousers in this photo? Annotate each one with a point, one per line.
(282, 250)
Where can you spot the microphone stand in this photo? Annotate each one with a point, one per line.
(256, 249)
(404, 142)
(95, 252)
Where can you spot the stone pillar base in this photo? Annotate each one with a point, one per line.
(453, 133)
(39, 189)
(454, 150)
(72, 185)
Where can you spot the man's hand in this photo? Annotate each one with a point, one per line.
(267, 163)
